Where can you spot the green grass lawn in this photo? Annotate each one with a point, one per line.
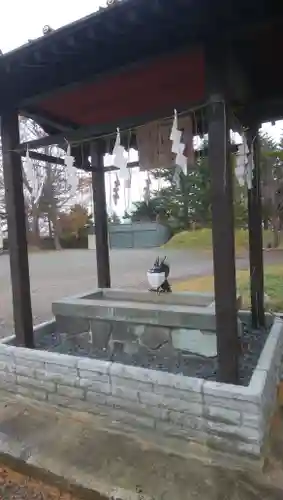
(273, 277)
(202, 240)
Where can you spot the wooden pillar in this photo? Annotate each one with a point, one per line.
(255, 232)
(223, 240)
(15, 205)
(100, 213)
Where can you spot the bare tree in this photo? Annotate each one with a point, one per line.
(57, 193)
(47, 187)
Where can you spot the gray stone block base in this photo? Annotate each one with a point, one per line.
(233, 419)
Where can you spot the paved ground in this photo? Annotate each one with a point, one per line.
(57, 274)
(114, 461)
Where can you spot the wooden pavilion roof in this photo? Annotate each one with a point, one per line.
(63, 79)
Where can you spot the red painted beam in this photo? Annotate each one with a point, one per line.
(174, 81)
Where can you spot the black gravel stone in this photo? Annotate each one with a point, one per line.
(252, 343)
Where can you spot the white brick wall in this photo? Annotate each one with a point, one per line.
(232, 418)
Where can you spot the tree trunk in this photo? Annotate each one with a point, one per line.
(57, 242)
(35, 229)
(185, 195)
(56, 230)
(56, 233)
(28, 231)
(265, 223)
(49, 226)
(276, 231)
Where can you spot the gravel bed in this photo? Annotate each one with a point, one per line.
(191, 365)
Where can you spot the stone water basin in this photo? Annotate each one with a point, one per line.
(174, 332)
(177, 298)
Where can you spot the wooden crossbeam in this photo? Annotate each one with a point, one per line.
(47, 120)
(89, 133)
(85, 133)
(35, 155)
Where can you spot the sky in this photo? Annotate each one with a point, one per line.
(24, 20)
(21, 21)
